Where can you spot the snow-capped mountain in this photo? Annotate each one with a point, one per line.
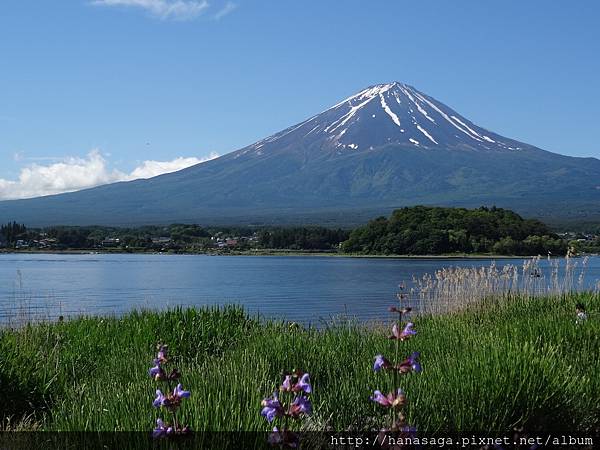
(387, 146)
(393, 113)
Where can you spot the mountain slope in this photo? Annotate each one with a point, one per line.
(387, 146)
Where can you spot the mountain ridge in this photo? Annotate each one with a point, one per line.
(389, 145)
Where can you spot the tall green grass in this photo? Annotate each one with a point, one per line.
(513, 361)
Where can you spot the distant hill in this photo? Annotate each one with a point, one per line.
(385, 147)
(424, 230)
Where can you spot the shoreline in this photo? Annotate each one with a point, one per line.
(271, 253)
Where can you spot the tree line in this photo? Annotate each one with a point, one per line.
(11, 232)
(417, 230)
(302, 238)
(177, 237)
(422, 230)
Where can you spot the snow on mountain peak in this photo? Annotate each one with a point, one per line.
(384, 114)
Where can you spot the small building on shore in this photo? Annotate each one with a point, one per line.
(21, 243)
(161, 240)
(110, 242)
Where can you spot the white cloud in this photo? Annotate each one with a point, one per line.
(149, 169)
(163, 9)
(73, 174)
(227, 9)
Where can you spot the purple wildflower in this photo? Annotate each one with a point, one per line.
(297, 382)
(393, 400)
(381, 363)
(301, 405)
(414, 363)
(157, 371)
(287, 383)
(170, 401)
(304, 384)
(162, 353)
(161, 429)
(154, 370)
(378, 397)
(405, 334)
(271, 408)
(408, 330)
(160, 399)
(410, 364)
(179, 393)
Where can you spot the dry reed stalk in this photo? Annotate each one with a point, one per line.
(454, 288)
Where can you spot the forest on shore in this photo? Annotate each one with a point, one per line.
(417, 230)
(422, 230)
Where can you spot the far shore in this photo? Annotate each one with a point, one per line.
(266, 252)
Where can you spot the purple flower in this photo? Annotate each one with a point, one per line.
(162, 353)
(160, 399)
(301, 405)
(161, 429)
(406, 332)
(170, 401)
(381, 363)
(157, 371)
(395, 332)
(378, 397)
(393, 400)
(154, 370)
(304, 384)
(414, 363)
(269, 413)
(179, 393)
(297, 382)
(271, 408)
(410, 364)
(287, 383)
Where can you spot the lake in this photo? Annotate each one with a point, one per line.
(306, 289)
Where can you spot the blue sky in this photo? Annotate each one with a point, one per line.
(95, 91)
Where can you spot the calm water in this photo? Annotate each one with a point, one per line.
(304, 289)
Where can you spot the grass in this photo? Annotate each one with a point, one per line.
(504, 363)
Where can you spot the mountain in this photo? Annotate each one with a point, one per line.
(387, 146)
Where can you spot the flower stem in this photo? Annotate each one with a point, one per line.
(175, 424)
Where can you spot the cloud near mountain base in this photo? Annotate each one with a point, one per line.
(73, 174)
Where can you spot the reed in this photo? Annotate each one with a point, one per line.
(455, 288)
